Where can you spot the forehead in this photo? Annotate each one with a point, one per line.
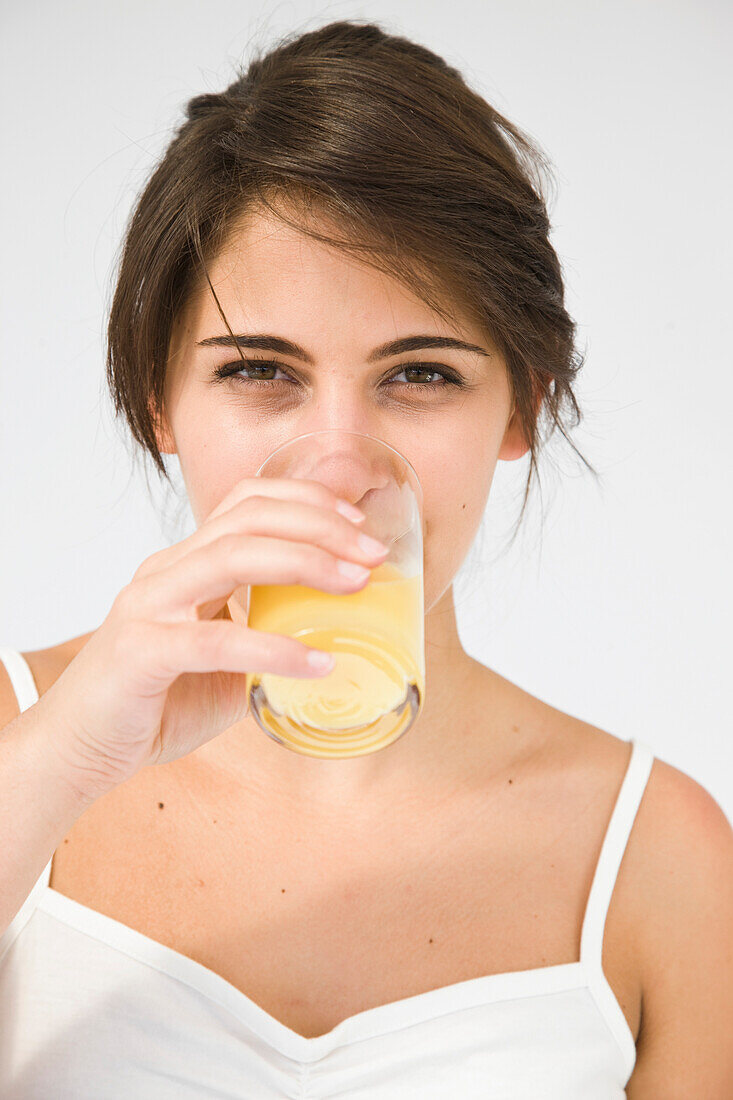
(269, 270)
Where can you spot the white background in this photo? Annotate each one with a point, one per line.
(619, 612)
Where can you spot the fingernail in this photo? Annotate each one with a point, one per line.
(348, 510)
(318, 659)
(352, 571)
(371, 546)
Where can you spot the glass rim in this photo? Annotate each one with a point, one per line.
(346, 431)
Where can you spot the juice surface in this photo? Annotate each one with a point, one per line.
(377, 638)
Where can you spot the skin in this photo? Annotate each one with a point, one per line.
(667, 941)
(271, 278)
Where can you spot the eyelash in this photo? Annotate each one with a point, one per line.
(452, 378)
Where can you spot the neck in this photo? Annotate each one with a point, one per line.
(431, 754)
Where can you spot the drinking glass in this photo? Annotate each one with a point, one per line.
(376, 689)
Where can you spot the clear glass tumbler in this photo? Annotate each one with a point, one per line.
(377, 635)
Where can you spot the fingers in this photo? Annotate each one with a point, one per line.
(159, 652)
(234, 514)
(297, 521)
(213, 571)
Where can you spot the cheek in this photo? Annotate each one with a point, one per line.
(450, 525)
(212, 461)
(456, 487)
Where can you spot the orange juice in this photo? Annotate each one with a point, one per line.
(377, 686)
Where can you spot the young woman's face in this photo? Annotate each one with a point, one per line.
(273, 280)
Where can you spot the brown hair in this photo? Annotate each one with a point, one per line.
(389, 143)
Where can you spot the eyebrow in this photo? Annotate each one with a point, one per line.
(266, 342)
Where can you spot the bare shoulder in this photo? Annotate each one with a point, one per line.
(684, 854)
(675, 889)
(684, 866)
(674, 906)
(675, 894)
(680, 851)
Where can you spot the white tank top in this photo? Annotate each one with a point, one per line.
(91, 1009)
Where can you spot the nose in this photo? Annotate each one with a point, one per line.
(350, 473)
(340, 404)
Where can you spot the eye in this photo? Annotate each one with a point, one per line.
(450, 377)
(235, 370)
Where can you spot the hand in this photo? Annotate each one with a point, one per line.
(165, 671)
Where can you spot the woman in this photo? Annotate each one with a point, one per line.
(506, 902)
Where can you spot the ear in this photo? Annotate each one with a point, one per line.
(163, 434)
(514, 444)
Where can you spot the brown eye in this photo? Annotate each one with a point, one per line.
(426, 368)
(258, 367)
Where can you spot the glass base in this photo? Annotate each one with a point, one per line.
(357, 741)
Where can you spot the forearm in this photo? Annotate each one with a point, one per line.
(39, 802)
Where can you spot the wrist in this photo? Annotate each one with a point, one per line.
(49, 754)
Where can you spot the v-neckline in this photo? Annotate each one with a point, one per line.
(390, 1017)
(369, 1022)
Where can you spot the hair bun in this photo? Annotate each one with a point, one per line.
(203, 105)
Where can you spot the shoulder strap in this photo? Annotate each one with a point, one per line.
(614, 846)
(26, 693)
(21, 677)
